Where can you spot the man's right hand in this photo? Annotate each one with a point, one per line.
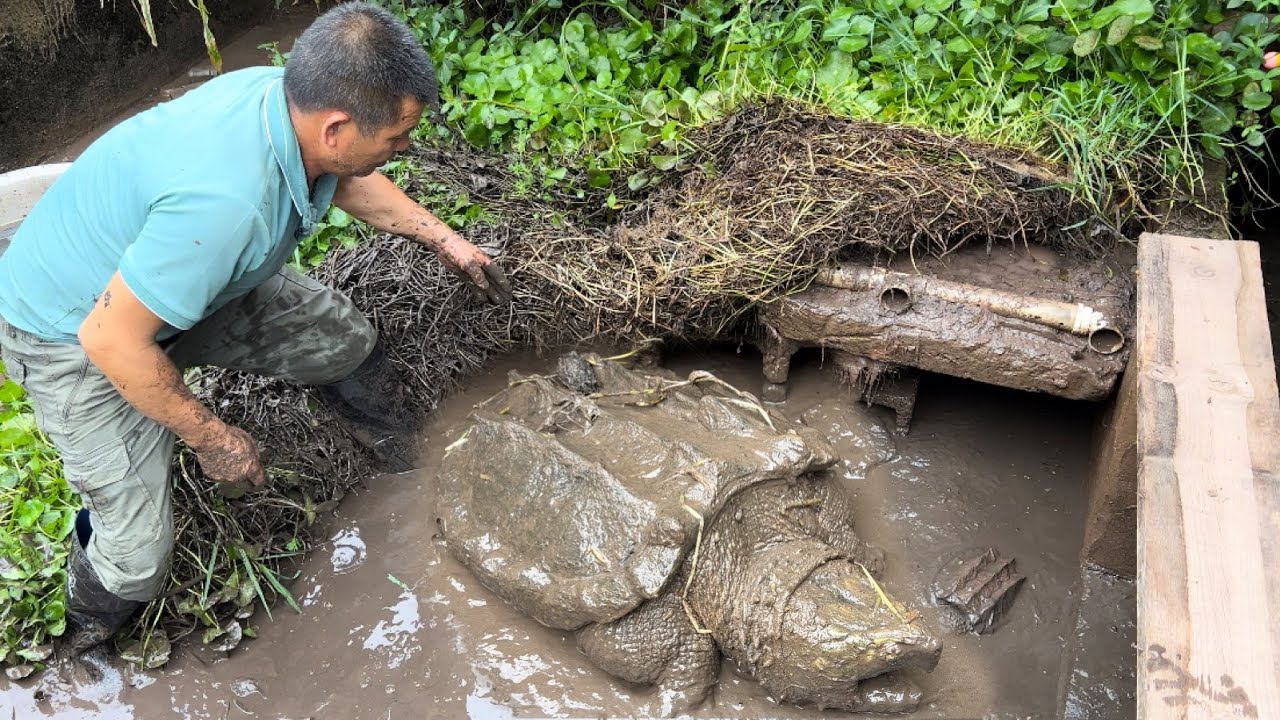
(231, 457)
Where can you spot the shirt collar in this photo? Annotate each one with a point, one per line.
(284, 145)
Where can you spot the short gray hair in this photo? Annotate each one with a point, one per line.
(358, 58)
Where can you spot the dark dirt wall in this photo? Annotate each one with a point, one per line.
(103, 63)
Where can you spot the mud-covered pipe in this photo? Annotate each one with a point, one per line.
(898, 291)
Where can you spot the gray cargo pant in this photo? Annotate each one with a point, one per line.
(118, 460)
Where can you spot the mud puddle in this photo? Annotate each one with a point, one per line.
(393, 627)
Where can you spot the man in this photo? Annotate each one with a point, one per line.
(164, 247)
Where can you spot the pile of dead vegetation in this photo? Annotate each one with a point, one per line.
(775, 192)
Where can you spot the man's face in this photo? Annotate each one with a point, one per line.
(357, 154)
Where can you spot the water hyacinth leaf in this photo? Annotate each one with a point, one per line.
(853, 44)
(1212, 146)
(37, 653)
(836, 70)
(1141, 10)
(230, 637)
(709, 105)
(1203, 47)
(1033, 34)
(1120, 29)
(632, 140)
(1146, 42)
(664, 162)
(339, 218)
(15, 437)
(11, 392)
(158, 651)
(1086, 43)
(1275, 115)
(1257, 100)
(211, 634)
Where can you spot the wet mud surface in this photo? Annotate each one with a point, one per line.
(395, 627)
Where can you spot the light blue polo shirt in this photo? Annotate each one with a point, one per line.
(196, 202)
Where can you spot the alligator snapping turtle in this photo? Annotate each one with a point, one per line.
(669, 521)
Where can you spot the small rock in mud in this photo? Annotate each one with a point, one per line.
(979, 584)
(575, 373)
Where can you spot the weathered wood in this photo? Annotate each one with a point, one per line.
(1208, 496)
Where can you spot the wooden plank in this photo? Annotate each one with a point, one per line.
(1208, 489)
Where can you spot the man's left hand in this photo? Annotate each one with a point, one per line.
(472, 264)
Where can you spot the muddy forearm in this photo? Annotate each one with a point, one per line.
(148, 379)
(377, 201)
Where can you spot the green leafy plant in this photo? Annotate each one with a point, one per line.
(611, 86)
(37, 513)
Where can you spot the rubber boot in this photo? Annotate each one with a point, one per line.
(370, 405)
(94, 614)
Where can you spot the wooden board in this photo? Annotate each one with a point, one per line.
(1208, 484)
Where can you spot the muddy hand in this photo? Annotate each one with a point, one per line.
(232, 457)
(469, 262)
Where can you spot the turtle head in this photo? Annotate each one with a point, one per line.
(841, 627)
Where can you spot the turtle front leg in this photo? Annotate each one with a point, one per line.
(887, 694)
(777, 351)
(656, 644)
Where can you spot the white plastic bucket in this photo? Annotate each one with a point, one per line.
(19, 191)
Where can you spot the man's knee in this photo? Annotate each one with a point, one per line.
(133, 566)
(353, 341)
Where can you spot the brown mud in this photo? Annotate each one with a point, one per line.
(394, 627)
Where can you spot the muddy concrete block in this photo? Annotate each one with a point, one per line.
(773, 392)
(967, 339)
(876, 383)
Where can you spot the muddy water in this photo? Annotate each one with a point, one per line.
(393, 627)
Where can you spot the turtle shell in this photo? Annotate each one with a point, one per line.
(576, 505)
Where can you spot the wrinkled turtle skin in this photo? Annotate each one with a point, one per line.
(671, 521)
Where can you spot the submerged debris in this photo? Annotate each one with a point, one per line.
(980, 584)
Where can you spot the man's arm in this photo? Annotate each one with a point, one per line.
(118, 335)
(377, 201)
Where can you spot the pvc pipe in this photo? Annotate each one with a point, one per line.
(897, 291)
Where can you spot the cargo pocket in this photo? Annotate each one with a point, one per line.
(127, 517)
